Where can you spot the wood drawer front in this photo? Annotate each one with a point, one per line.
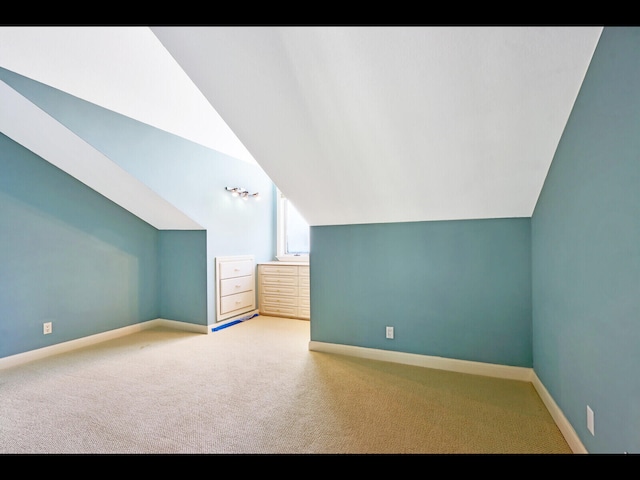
(304, 312)
(275, 300)
(279, 269)
(279, 311)
(240, 268)
(276, 280)
(304, 302)
(279, 290)
(303, 271)
(304, 282)
(236, 302)
(304, 292)
(229, 286)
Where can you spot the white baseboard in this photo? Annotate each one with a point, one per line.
(463, 366)
(176, 325)
(63, 347)
(561, 421)
(441, 363)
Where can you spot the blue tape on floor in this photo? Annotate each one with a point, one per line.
(215, 329)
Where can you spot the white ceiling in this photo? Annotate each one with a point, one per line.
(354, 124)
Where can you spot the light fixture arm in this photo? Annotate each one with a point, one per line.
(241, 192)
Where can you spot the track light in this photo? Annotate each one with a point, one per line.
(242, 193)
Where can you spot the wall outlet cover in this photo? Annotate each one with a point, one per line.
(590, 420)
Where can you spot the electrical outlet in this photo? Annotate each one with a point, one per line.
(47, 328)
(389, 332)
(590, 420)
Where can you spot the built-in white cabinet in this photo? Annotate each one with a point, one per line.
(235, 286)
(283, 289)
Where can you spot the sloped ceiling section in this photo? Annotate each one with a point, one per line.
(390, 124)
(354, 124)
(124, 69)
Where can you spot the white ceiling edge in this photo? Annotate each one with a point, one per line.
(376, 125)
(35, 130)
(124, 69)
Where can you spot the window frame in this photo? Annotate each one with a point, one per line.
(281, 228)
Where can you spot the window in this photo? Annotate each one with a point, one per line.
(293, 232)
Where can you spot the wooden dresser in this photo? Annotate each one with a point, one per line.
(283, 289)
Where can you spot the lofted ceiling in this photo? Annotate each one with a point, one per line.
(354, 124)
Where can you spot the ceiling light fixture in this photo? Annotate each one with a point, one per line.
(242, 193)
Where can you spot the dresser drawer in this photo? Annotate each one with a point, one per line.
(229, 286)
(237, 301)
(276, 280)
(279, 290)
(276, 300)
(239, 268)
(303, 271)
(279, 311)
(279, 270)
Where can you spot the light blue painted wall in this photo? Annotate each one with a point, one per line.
(190, 176)
(67, 255)
(183, 275)
(586, 254)
(455, 289)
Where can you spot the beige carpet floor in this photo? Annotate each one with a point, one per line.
(255, 388)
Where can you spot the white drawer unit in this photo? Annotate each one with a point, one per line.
(284, 289)
(235, 286)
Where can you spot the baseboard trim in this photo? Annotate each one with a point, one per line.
(441, 363)
(562, 422)
(70, 345)
(463, 366)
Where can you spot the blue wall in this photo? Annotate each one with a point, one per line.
(68, 256)
(182, 262)
(458, 289)
(586, 254)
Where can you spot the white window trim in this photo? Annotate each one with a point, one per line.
(280, 236)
